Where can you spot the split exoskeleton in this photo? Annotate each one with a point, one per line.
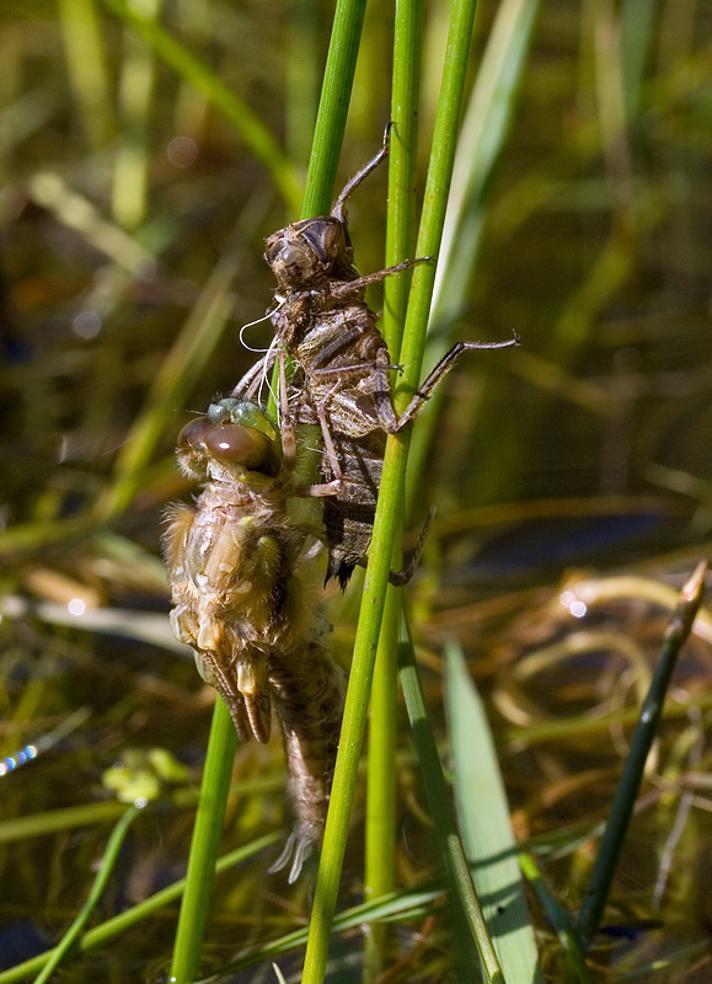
(341, 367)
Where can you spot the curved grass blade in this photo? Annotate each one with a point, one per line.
(108, 861)
(331, 122)
(395, 905)
(106, 931)
(439, 801)
(485, 131)
(678, 629)
(256, 136)
(382, 786)
(390, 499)
(485, 825)
(87, 68)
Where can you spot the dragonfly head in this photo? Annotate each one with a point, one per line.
(234, 440)
(309, 252)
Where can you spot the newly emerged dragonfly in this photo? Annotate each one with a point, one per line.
(245, 599)
(342, 366)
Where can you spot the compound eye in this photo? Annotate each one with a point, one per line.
(232, 444)
(292, 255)
(326, 238)
(193, 434)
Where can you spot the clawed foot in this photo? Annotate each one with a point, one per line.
(300, 845)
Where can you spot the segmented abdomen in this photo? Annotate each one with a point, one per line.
(348, 517)
(308, 690)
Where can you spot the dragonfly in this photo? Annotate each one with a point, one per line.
(341, 367)
(245, 599)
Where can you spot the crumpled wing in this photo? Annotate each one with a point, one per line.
(223, 660)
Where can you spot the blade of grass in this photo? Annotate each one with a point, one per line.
(637, 37)
(111, 928)
(85, 53)
(622, 807)
(559, 919)
(396, 905)
(178, 373)
(381, 795)
(195, 18)
(302, 70)
(483, 815)
(440, 803)
(485, 131)
(391, 497)
(255, 135)
(331, 121)
(50, 191)
(207, 829)
(333, 106)
(111, 854)
(130, 188)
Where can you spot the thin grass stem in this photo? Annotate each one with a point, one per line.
(246, 123)
(381, 794)
(111, 854)
(604, 867)
(558, 918)
(440, 803)
(207, 829)
(331, 121)
(132, 159)
(395, 905)
(333, 106)
(85, 53)
(390, 501)
(111, 928)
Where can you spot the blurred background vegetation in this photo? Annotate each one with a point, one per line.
(142, 165)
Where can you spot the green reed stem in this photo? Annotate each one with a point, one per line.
(382, 787)
(604, 867)
(390, 501)
(254, 133)
(401, 225)
(85, 53)
(302, 72)
(108, 861)
(132, 158)
(333, 106)
(331, 121)
(207, 829)
(484, 134)
(179, 371)
(558, 918)
(111, 928)
(441, 809)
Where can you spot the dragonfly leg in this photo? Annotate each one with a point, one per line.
(345, 288)
(355, 181)
(441, 370)
(403, 576)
